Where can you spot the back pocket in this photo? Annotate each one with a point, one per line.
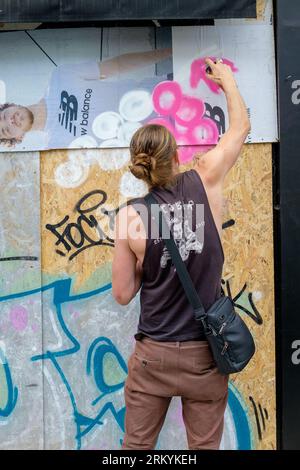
(147, 363)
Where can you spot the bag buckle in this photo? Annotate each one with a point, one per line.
(208, 330)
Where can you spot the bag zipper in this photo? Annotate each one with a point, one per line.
(222, 327)
(224, 348)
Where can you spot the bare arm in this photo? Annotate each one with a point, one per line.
(215, 164)
(126, 269)
(131, 61)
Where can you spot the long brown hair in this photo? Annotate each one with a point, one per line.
(153, 149)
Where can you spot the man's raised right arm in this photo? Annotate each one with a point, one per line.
(215, 164)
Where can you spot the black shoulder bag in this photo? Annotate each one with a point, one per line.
(231, 342)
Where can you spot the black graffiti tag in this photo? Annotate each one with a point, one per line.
(255, 314)
(261, 417)
(217, 115)
(74, 235)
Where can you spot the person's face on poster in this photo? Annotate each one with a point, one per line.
(15, 121)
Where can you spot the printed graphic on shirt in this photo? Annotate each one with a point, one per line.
(179, 218)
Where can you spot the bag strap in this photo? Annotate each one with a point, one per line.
(181, 269)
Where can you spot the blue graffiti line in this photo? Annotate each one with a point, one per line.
(61, 295)
(118, 415)
(97, 352)
(65, 352)
(96, 356)
(61, 292)
(12, 392)
(241, 422)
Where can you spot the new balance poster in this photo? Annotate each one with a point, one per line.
(93, 87)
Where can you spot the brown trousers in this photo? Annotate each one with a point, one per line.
(157, 371)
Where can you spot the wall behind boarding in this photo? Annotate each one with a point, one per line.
(64, 341)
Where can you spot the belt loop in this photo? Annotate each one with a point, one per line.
(177, 344)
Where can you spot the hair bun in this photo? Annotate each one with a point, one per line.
(143, 159)
(139, 171)
(140, 166)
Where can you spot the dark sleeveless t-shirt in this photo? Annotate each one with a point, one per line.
(166, 314)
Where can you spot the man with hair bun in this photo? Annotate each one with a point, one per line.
(171, 356)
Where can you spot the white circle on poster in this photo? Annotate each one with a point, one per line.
(82, 149)
(84, 141)
(127, 130)
(112, 143)
(106, 125)
(136, 105)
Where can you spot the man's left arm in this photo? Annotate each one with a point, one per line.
(126, 269)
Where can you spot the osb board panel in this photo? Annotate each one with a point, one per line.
(21, 338)
(248, 246)
(64, 182)
(248, 275)
(260, 8)
(247, 240)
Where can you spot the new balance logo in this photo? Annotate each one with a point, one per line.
(69, 111)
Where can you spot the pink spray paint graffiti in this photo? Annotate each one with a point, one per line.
(19, 317)
(191, 127)
(198, 73)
